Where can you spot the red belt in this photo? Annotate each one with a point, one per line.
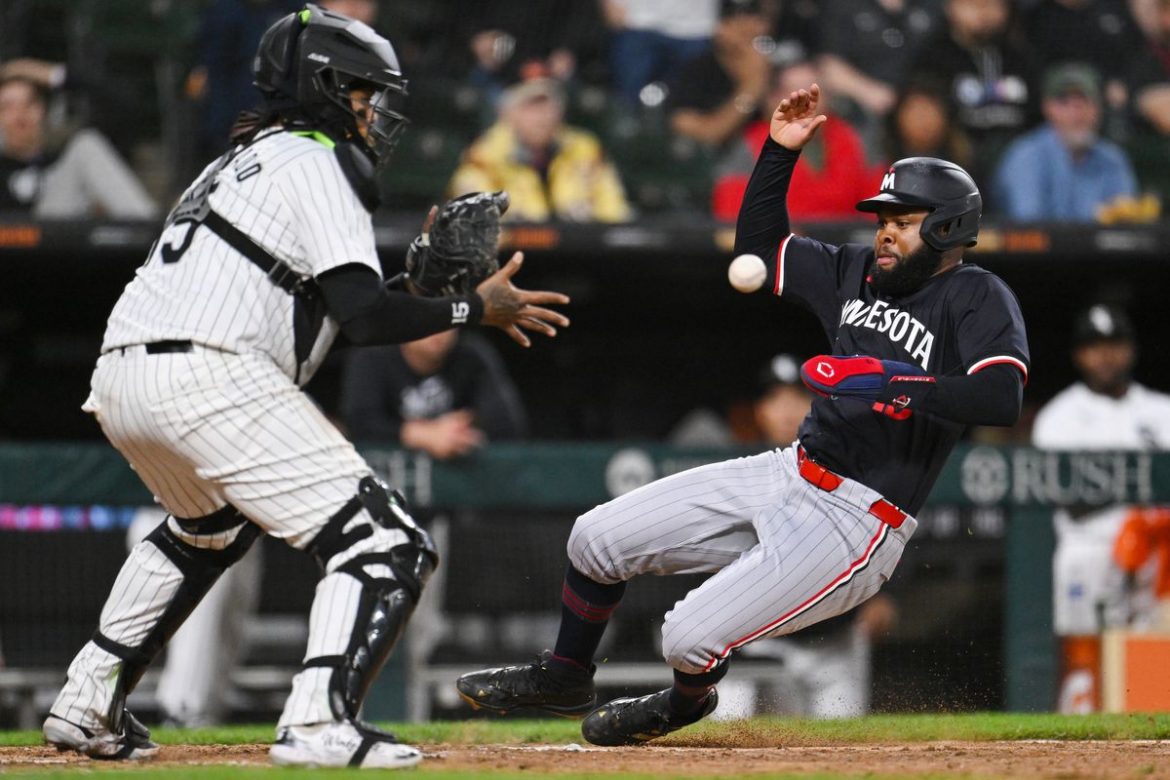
(819, 476)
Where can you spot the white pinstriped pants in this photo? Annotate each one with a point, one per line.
(206, 428)
(203, 429)
(785, 554)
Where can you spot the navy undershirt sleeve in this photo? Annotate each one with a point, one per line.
(368, 313)
(991, 396)
(763, 217)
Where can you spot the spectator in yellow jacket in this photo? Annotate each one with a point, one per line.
(550, 170)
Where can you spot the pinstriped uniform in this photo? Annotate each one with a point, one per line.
(226, 422)
(786, 553)
(289, 195)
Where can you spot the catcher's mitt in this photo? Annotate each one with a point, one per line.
(461, 246)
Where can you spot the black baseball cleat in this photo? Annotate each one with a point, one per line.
(535, 686)
(133, 744)
(634, 721)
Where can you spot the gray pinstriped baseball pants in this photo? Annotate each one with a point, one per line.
(785, 554)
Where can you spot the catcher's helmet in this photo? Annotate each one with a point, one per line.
(310, 60)
(942, 187)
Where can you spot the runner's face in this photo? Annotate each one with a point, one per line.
(903, 262)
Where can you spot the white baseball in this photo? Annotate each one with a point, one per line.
(746, 273)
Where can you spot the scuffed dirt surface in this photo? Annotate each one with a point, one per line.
(1032, 760)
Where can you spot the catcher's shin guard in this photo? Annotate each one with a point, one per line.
(373, 555)
(166, 575)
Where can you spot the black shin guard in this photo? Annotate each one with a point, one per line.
(385, 604)
(200, 567)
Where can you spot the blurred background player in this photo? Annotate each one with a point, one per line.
(446, 395)
(1105, 410)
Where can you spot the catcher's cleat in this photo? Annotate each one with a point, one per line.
(133, 744)
(341, 744)
(634, 721)
(535, 686)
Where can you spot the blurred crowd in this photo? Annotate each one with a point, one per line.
(606, 110)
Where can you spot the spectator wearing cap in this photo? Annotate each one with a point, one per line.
(550, 170)
(718, 92)
(1063, 170)
(1105, 410)
(1102, 32)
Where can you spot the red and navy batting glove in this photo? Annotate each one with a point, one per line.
(857, 376)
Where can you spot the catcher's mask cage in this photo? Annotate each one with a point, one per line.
(312, 60)
(944, 189)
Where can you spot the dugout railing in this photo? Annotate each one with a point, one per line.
(981, 560)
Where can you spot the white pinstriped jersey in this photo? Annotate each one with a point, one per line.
(289, 195)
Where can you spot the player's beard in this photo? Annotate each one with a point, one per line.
(907, 275)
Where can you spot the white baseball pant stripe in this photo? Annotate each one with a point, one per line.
(785, 554)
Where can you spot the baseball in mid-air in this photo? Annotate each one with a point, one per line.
(746, 273)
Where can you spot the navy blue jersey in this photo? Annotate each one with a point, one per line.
(960, 322)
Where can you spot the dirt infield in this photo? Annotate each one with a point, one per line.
(1025, 759)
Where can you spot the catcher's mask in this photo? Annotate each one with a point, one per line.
(461, 248)
(944, 189)
(308, 63)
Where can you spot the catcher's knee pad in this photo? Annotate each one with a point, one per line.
(200, 550)
(392, 558)
(383, 535)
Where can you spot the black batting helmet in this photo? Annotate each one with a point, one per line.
(309, 61)
(941, 187)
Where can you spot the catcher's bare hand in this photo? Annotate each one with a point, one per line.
(507, 307)
(795, 120)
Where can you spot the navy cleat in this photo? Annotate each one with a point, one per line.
(634, 721)
(534, 687)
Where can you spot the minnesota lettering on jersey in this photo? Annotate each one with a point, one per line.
(901, 328)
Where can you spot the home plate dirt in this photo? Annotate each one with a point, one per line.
(1030, 760)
